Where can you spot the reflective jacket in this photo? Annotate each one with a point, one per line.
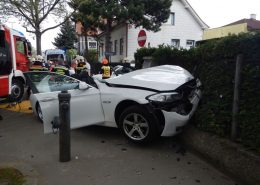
(106, 72)
(61, 70)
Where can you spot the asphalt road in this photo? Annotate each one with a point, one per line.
(100, 156)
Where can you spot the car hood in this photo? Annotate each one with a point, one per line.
(159, 78)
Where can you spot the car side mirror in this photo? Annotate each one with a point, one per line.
(83, 86)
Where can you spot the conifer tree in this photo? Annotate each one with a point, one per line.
(150, 14)
(67, 36)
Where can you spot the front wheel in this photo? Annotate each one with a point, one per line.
(17, 90)
(138, 125)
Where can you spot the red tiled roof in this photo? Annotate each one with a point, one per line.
(252, 24)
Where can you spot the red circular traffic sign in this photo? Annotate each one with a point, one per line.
(141, 38)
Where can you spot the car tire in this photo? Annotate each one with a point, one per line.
(39, 112)
(138, 125)
(17, 91)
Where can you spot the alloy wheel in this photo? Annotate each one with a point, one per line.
(135, 126)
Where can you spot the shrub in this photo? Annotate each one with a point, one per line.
(92, 55)
(215, 63)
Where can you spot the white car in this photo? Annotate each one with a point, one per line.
(143, 104)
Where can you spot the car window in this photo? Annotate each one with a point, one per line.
(50, 82)
(61, 83)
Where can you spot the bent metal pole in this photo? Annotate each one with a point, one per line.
(64, 134)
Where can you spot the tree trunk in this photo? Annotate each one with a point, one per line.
(107, 41)
(38, 43)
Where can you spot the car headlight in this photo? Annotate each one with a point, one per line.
(164, 97)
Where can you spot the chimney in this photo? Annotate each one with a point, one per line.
(253, 16)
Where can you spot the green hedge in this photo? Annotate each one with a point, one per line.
(214, 62)
(142, 52)
(91, 55)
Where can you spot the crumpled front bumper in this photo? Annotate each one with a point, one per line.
(174, 121)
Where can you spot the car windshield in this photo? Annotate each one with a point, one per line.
(55, 57)
(42, 82)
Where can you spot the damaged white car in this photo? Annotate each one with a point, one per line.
(143, 104)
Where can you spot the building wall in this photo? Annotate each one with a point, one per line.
(117, 34)
(81, 44)
(224, 31)
(185, 28)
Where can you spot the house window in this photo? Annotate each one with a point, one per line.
(101, 49)
(121, 46)
(172, 16)
(110, 46)
(115, 47)
(190, 43)
(175, 43)
(92, 45)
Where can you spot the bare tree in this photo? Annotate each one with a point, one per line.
(36, 16)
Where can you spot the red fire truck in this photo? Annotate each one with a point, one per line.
(15, 51)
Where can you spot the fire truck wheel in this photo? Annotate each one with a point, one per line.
(17, 90)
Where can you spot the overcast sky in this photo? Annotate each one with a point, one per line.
(214, 13)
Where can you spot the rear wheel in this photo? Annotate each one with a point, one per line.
(138, 125)
(39, 112)
(17, 90)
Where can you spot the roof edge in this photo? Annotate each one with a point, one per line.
(194, 14)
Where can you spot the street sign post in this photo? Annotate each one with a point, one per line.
(141, 38)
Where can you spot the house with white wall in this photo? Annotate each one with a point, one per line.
(85, 37)
(183, 28)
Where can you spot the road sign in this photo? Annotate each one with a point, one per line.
(141, 38)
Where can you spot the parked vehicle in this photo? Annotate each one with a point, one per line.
(55, 55)
(143, 104)
(119, 70)
(15, 51)
(116, 71)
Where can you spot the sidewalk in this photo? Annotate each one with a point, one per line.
(100, 156)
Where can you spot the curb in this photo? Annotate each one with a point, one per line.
(228, 156)
(30, 174)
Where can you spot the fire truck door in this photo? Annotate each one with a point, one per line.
(21, 54)
(5, 65)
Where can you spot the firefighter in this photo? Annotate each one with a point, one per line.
(73, 69)
(105, 69)
(60, 68)
(38, 65)
(83, 64)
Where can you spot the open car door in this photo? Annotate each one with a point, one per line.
(85, 104)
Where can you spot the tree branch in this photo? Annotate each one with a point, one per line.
(52, 7)
(28, 30)
(66, 19)
(24, 15)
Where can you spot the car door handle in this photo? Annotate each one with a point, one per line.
(47, 99)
